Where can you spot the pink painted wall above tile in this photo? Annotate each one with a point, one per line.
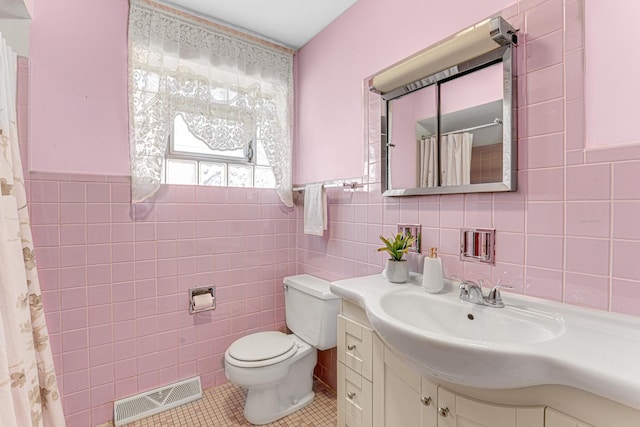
(330, 70)
(604, 57)
(78, 105)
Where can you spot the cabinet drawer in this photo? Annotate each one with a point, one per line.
(355, 395)
(345, 420)
(355, 346)
(555, 418)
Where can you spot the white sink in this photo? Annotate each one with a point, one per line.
(527, 343)
(481, 324)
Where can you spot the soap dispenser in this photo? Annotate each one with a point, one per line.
(432, 279)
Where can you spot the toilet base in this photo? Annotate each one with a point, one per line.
(265, 395)
(277, 396)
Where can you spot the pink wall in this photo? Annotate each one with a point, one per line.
(570, 233)
(368, 37)
(616, 65)
(79, 115)
(115, 282)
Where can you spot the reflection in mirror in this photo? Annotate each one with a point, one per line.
(471, 128)
(452, 131)
(404, 114)
(470, 147)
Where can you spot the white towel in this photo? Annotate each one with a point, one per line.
(315, 209)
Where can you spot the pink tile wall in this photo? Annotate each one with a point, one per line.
(115, 282)
(570, 233)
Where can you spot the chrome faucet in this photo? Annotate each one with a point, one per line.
(471, 291)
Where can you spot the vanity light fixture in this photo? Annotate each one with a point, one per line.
(464, 46)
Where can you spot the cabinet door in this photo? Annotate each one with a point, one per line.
(429, 401)
(355, 346)
(458, 411)
(554, 418)
(401, 399)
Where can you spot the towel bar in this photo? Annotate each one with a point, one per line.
(347, 185)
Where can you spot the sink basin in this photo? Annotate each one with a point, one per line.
(469, 321)
(527, 343)
(461, 342)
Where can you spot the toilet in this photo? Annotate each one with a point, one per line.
(276, 369)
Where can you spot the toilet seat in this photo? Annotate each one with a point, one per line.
(261, 349)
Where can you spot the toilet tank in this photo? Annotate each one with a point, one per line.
(311, 310)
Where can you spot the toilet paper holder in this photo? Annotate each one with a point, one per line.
(193, 292)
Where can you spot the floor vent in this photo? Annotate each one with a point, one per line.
(155, 401)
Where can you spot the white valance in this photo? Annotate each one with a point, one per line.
(224, 84)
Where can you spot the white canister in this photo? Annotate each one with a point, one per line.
(432, 278)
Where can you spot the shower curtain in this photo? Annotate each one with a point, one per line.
(428, 147)
(455, 158)
(28, 390)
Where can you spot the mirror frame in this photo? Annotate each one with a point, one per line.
(504, 54)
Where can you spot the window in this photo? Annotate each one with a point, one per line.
(190, 161)
(207, 105)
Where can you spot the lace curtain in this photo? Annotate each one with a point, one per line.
(29, 393)
(225, 85)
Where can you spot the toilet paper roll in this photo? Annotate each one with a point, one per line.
(202, 301)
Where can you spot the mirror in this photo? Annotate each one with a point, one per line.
(453, 131)
(409, 116)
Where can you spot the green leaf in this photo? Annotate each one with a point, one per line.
(397, 246)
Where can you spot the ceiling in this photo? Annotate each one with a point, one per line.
(288, 22)
(13, 9)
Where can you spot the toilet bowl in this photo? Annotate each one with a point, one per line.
(277, 384)
(276, 369)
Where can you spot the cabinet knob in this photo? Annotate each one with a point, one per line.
(426, 400)
(443, 412)
(351, 395)
(351, 347)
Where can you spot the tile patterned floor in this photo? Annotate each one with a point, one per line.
(222, 407)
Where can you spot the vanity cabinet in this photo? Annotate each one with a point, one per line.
(404, 398)
(376, 388)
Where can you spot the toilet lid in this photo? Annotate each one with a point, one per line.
(260, 346)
